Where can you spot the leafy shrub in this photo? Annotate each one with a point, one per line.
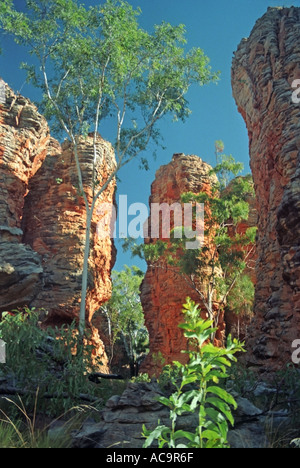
(144, 377)
(198, 389)
(51, 360)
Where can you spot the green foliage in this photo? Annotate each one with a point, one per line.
(24, 433)
(229, 251)
(158, 361)
(96, 63)
(125, 315)
(225, 254)
(50, 360)
(141, 378)
(241, 297)
(226, 167)
(12, 20)
(198, 390)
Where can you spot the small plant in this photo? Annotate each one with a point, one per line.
(141, 378)
(198, 389)
(51, 360)
(158, 361)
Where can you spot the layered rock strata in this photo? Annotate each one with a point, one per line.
(24, 140)
(164, 290)
(263, 72)
(123, 417)
(54, 226)
(43, 220)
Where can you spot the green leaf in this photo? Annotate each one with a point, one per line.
(188, 380)
(221, 406)
(165, 401)
(210, 435)
(221, 393)
(156, 434)
(184, 435)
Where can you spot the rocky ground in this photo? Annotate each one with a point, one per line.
(123, 417)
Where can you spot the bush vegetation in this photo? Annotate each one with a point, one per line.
(197, 389)
(47, 361)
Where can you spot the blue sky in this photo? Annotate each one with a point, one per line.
(217, 26)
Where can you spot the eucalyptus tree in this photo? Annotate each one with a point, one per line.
(97, 63)
(217, 270)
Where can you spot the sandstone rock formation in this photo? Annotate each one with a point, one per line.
(164, 290)
(264, 68)
(24, 138)
(54, 226)
(42, 219)
(122, 419)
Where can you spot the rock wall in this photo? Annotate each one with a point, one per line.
(54, 226)
(164, 290)
(42, 219)
(123, 417)
(264, 68)
(24, 140)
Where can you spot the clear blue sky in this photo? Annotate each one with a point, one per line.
(217, 26)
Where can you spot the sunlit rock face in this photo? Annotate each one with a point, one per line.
(43, 221)
(265, 67)
(164, 290)
(54, 225)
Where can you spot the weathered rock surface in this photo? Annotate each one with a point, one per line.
(20, 274)
(24, 138)
(123, 418)
(164, 290)
(54, 226)
(264, 68)
(42, 218)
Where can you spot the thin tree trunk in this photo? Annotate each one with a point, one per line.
(85, 268)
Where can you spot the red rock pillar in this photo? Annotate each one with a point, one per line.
(164, 290)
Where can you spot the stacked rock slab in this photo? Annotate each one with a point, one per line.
(24, 139)
(42, 219)
(263, 72)
(164, 290)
